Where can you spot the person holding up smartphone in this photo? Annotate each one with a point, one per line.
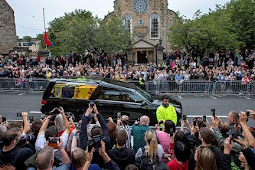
(51, 132)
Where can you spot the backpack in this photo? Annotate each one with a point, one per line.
(9, 166)
(145, 162)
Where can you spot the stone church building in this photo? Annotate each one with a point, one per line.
(148, 21)
(8, 37)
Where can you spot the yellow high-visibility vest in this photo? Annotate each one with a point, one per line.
(140, 81)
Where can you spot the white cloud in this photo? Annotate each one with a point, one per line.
(29, 17)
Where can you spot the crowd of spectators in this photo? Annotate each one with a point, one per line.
(55, 142)
(175, 66)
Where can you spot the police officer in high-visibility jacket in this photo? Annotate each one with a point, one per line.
(142, 82)
(166, 111)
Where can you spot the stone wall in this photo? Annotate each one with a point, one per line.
(8, 37)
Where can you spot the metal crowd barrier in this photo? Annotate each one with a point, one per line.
(23, 84)
(177, 87)
(206, 87)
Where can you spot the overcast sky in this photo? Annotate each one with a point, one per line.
(29, 15)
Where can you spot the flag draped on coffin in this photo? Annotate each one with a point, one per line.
(47, 41)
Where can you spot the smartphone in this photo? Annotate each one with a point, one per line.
(161, 122)
(204, 118)
(184, 117)
(118, 115)
(91, 104)
(44, 116)
(19, 115)
(31, 118)
(194, 122)
(53, 142)
(77, 126)
(55, 111)
(213, 113)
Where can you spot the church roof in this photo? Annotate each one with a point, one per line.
(143, 44)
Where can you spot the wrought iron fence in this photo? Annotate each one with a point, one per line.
(177, 87)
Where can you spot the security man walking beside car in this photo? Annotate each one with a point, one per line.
(142, 82)
(166, 111)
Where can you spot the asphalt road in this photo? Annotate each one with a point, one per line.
(13, 102)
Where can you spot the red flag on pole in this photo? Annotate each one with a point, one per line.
(46, 40)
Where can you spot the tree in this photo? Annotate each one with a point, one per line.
(74, 32)
(111, 36)
(79, 31)
(40, 37)
(243, 21)
(26, 38)
(205, 33)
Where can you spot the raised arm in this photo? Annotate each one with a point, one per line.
(26, 123)
(45, 125)
(247, 134)
(111, 165)
(249, 155)
(66, 123)
(83, 130)
(65, 157)
(101, 121)
(74, 140)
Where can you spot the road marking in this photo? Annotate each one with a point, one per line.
(213, 97)
(35, 112)
(21, 94)
(247, 97)
(180, 97)
(192, 116)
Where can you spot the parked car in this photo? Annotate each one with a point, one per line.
(111, 97)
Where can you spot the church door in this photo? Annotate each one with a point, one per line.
(142, 57)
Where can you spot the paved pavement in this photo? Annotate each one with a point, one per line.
(13, 102)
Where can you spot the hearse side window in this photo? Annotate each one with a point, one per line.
(110, 95)
(130, 97)
(62, 91)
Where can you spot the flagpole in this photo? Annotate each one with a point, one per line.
(44, 24)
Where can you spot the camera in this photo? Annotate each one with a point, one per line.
(91, 104)
(248, 114)
(184, 117)
(95, 142)
(19, 115)
(55, 111)
(53, 142)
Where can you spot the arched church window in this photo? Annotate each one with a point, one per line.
(154, 22)
(128, 23)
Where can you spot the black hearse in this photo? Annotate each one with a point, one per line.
(111, 97)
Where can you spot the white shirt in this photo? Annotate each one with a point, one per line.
(41, 140)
